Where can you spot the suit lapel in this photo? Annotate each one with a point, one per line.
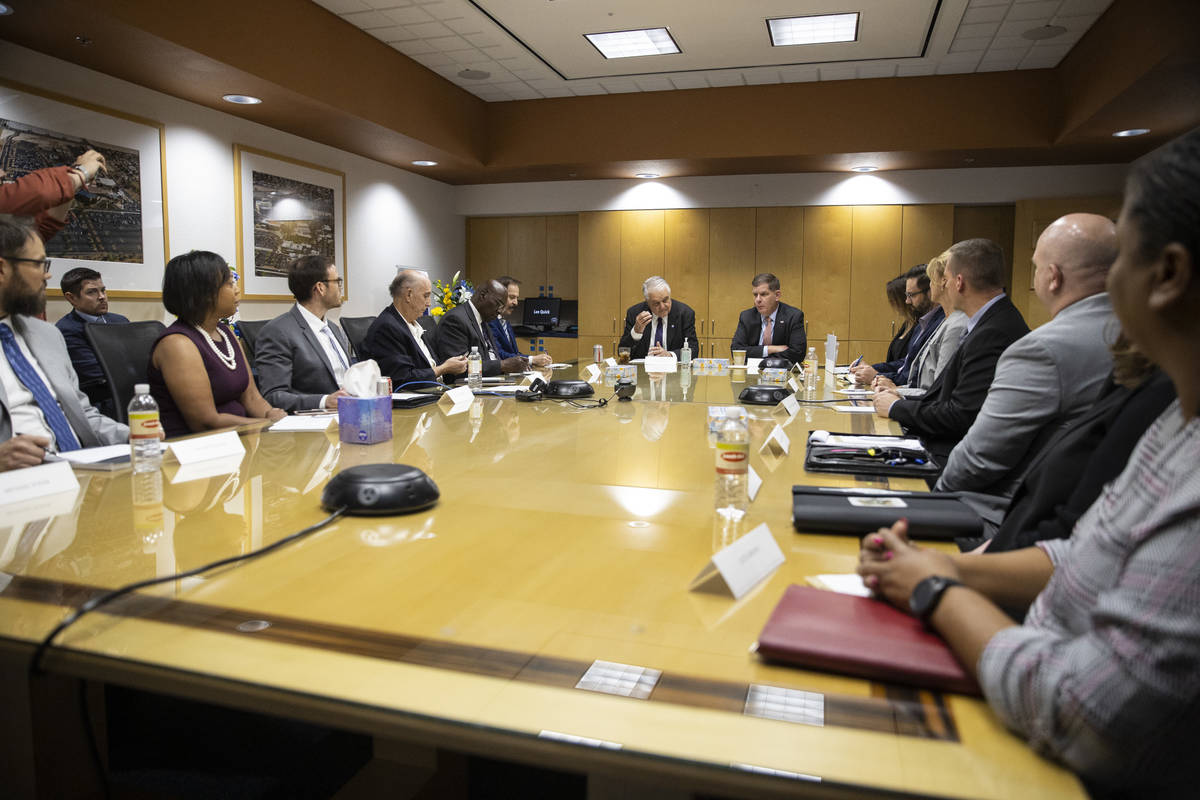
(65, 393)
(307, 333)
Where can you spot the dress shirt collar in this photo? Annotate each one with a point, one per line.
(316, 323)
(978, 315)
(88, 317)
(772, 316)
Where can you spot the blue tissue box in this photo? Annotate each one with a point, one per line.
(365, 420)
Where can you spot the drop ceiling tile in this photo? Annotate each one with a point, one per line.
(799, 74)
(487, 93)
(525, 73)
(618, 85)
(987, 3)
(343, 6)
(482, 39)
(368, 19)
(837, 72)
(653, 83)
(395, 33)
(985, 14)
(760, 76)
(689, 80)
(444, 11)
(978, 29)
(1046, 49)
(1017, 27)
(465, 57)
(464, 25)
(519, 91)
(997, 66)
(954, 69)
(430, 30)
(432, 60)
(413, 47)
(913, 69)
(554, 91)
(1005, 54)
(1011, 43)
(586, 89)
(1038, 11)
(407, 15)
(877, 71)
(725, 78)
(961, 58)
(1073, 7)
(970, 45)
(444, 44)
(381, 4)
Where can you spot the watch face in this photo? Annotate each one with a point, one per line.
(924, 595)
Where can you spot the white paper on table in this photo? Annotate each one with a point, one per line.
(661, 364)
(203, 448)
(842, 583)
(855, 409)
(407, 395)
(50, 478)
(863, 440)
(508, 388)
(92, 455)
(855, 392)
(304, 422)
(558, 365)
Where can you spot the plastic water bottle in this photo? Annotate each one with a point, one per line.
(810, 370)
(733, 462)
(475, 370)
(145, 450)
(685, 353)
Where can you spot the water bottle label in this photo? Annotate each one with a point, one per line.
(732, 458)
(144, 425)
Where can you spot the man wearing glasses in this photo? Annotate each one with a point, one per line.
(42, 409)
(302, 355)
(929, 316)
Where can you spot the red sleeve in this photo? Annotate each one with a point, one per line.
(33, 193)
(48, 226)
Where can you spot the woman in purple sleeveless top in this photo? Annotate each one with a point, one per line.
(198, 372)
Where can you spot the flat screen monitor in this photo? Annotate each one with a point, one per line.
(568, 316)
(541, 311)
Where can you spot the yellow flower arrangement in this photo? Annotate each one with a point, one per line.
(449, 295)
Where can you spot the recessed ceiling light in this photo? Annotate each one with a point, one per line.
(627, 44)
(241, 99)
(1044, 32)
(1131, 132)
(865, 168)
(424, 163)
(5, 9)
(815, 29)
(474, 74)
(646, 175)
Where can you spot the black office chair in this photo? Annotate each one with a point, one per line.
(356, 331)
(250, 329)
(428, 322)
(124, 353)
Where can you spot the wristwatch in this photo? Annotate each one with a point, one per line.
(928, 593)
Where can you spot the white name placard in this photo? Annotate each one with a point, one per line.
(18, 485)
(753, 482)
(457, 400)
(789, 405)
(777, 443)
(610, 362)
(203, 448)
(658, 364)
(744, 563)
(591, 373)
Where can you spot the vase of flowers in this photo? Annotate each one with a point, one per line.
(448, 295)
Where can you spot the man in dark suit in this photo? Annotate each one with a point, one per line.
(771, 328)
(502, 332)
(465, 326)
(302, 355)
(975, 282)
(83, 288)
(659, 326)
(399, 344)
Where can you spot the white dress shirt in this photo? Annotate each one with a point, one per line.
(333, 350)
(26, 417)
(416, 330)
(649, 330)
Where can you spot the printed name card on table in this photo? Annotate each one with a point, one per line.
(203, 448)
(659, 364)
(457, 400)
(794, 384)
(19, 485)
(789, 406)
(777, 444)
(591, 373)
(610, 362)
(743, 564)
(753, 482)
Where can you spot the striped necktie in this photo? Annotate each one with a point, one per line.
(27, 375)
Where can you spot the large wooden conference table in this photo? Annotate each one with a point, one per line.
(564, 537)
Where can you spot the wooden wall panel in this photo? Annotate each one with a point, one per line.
(527, 254)
(687, 257)
(925, 232)
(826, 271)
(874, 260)
(599, 264)
(487, 247)
(779, 249)
(643, 251)
(562, 254)
(730, 268)
(988, 222)
(1031, 217)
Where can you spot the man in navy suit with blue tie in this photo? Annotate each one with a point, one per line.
(83, 288)
(502, 332)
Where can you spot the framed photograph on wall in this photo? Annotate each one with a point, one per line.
(285, 209)
(118, 226)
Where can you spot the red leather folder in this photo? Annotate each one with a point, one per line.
(860, 636)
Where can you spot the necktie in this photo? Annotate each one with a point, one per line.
(28, 376)
(489, 342)
(658, 331)
(337, 349)
(768, 330)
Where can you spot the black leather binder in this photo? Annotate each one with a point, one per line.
(839, 453)
(856, 512)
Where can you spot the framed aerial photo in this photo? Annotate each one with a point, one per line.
(118, 226)
(285, 209)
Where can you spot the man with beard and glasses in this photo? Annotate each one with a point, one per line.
(42, 409)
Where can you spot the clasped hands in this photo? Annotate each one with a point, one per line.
(891, 566)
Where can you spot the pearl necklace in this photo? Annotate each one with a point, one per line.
(228, 358)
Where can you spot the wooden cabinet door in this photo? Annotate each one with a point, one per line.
(826, 271)
(779, 250)
(643, 253)
(487, 248)
(562, 255)
(687, 240)
(730, 270)
(926, 231)
(527, 254)
(874, 260)
(600, 310)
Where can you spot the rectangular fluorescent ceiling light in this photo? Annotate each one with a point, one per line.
(627, 44)
(817, 29)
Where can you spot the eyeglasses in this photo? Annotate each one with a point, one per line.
(911, 295)
(43, 262)
(339, 281)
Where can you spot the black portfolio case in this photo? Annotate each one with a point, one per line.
(840, 454)
(857, 512)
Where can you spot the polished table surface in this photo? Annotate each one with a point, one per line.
(563, 536)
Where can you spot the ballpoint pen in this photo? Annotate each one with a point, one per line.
(857, 361)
